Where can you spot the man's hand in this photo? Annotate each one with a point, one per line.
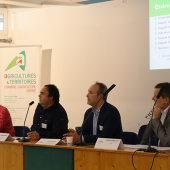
(157, 112)
(33, 135)
(76, 137)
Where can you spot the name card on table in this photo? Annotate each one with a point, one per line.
(6, 137)
(108, 143)
(44, 141)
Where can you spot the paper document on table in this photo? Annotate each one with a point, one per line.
(161, 148)
(6, 137)
(145, 147)
(44, 141)
(136, 146)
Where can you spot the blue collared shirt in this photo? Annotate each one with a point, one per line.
(95, 119)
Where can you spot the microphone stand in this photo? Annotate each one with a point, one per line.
(150, 149)
(26, 139)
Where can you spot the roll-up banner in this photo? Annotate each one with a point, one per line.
(20, 77)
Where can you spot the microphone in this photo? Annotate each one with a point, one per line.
(160, 92)
(105, 93)
(26, 139)
(31, 103)
(108, 90)
(149, 115)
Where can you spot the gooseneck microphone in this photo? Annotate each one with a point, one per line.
(160, 92)
(149, 115)
(105, 93)
(26, 139)
(150, 149)
(108, 90)
(31, 103)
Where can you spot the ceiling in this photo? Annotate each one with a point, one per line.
(44, 3)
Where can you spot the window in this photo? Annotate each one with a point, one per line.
(3, 23)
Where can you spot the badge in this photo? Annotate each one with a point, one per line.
(100, 128)
(44, 126)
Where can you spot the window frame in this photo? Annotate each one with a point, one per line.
(4, 33)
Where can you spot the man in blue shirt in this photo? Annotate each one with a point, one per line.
(103, 122)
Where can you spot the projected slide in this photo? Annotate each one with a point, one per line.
(159, 22)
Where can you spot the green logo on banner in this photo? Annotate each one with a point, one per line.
(159, 7)
(18, 60)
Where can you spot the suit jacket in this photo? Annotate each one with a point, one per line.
(162, 131)
(108, 126)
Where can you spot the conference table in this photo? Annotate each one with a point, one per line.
(30, 156)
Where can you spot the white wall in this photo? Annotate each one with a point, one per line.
(107, 42)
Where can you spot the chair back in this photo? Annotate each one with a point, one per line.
(141, 132)
(78, 130)
(130, 138)
(20, 129)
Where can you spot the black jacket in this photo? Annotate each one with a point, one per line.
(51, 122)
(109, 120)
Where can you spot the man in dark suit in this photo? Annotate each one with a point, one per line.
(160, 121)
(103, 122)
(50, 118)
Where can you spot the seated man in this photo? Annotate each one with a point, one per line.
(104, 121)
(160, 121)
(5, 121)
(50, 118)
